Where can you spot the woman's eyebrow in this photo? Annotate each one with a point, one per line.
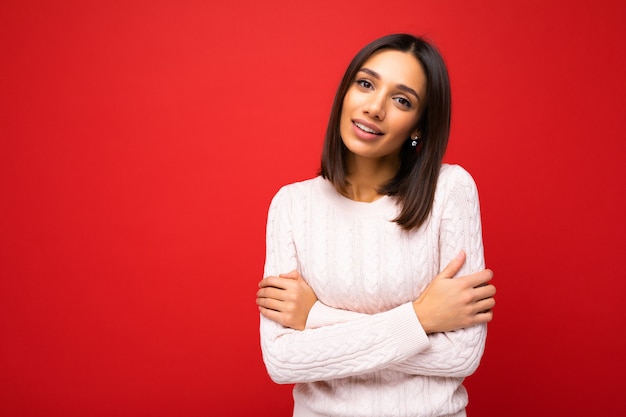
(371, 72)
(402, 87)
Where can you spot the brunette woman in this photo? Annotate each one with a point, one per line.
(358, 306)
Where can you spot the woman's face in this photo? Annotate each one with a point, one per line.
(382, 107)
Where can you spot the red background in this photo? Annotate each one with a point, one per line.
(141, 143)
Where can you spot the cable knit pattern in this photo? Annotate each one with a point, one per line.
(364, 352)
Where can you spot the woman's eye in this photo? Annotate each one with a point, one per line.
(403, 102)
(364, 83)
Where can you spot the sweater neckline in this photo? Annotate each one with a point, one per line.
(381, 205)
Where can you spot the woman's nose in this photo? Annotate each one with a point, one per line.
(375, 106)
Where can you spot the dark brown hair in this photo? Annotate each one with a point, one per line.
(415, 182)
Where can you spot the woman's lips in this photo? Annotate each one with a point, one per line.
(365, 131)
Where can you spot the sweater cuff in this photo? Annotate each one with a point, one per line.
(407, 329)
(314, 319)
(322, 315)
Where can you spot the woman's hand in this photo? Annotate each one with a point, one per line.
(286, 299)
(451, 304)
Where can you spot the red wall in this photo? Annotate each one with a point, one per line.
(141, 143)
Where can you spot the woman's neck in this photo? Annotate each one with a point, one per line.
(368, 175)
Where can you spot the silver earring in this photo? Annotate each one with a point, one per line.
(415, 141)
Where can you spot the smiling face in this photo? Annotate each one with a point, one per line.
(381, 108)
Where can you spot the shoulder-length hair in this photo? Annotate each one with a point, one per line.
(415, 182)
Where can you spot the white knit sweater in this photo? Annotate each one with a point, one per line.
(364, 352)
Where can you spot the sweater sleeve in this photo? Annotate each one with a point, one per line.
(362, 344)
(456, 353)
(450, 354)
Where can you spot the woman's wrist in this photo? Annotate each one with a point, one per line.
(422, 316)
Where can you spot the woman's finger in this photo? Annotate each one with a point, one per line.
(484, 305)
(485, 291)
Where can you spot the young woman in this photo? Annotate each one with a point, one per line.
(358, 305)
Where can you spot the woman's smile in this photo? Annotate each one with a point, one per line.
(366, 131)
